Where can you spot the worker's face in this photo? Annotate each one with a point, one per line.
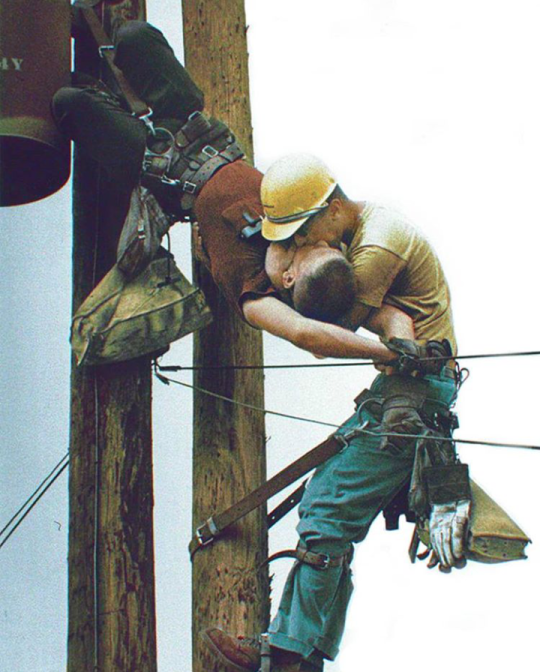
(285, 264)
(325, 227)
(279, 257)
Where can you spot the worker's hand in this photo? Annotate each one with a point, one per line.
(419, 357)
(197, 246)
(447, 533)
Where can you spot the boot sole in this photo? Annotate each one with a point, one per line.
(211, 645)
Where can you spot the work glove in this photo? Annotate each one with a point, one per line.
(413, 355)
(448, 534)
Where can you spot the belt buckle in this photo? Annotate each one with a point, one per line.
(325, 560)
(190, 187)
(210, 151)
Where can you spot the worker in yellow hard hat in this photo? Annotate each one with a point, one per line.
(394, 265)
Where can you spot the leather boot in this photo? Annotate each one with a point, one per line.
(239, 653)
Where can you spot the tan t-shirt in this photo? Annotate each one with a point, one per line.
(395, 263)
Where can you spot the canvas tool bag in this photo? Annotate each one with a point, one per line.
(493, 536)
(122, 319)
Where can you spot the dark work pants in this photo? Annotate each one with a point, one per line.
(104, 128)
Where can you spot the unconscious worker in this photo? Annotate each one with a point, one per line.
(393, 264)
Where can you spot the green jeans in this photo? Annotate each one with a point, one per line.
(342, 499)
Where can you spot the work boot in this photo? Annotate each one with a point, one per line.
(244, 653)
(240, 653)
(298, 666)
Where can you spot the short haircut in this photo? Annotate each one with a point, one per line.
(327, 291)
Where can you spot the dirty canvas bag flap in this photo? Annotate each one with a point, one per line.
(493, 536)
(122, 319)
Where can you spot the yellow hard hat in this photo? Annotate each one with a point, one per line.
(294, 188)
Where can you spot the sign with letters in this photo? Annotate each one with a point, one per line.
(11, 63)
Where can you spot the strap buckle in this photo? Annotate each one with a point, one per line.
(190, 187)
(210, 151)
(325, 560)
(145, 117)
(103, 48)
(209, 526)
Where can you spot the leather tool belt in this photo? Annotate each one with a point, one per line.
(186, 160)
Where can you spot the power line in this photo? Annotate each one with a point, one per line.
(58, 474)
(33, 494)
(315, 365)
(472, 442)
(167, 381)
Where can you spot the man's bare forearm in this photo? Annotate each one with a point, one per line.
(319, 338)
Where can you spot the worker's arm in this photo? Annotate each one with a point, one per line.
(386, 321)
(319, 338)
(390, 322)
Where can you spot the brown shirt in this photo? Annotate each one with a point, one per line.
(237, 265)
(394, 262)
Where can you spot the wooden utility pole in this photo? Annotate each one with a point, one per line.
(111, 564)
(229, 441)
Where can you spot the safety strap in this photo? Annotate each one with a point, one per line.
(193, 181)
(286, 505)
(215, 525)
(317, 560)
(106, 50)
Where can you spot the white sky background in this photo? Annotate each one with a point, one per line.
(431, 107)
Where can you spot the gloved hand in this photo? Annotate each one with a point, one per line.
(447, 533)
(412, 353)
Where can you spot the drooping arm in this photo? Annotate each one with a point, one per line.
(319, 338)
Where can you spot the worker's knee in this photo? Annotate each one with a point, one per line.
(133, 37)
(66, 101)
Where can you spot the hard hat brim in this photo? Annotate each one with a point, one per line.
(276, 232)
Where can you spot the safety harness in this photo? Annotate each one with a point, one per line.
(183, 161)
(426, 422)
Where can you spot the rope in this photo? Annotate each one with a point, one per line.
(176, 368)
(472, 442)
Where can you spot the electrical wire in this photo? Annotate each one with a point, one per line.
(472, 442)
(315, 365)
(23, 506)
(166, 380)
(58, 474)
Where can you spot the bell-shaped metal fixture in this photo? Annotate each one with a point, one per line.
(35, 58)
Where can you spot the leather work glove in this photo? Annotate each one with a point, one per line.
(447, 533)
(413, 353)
